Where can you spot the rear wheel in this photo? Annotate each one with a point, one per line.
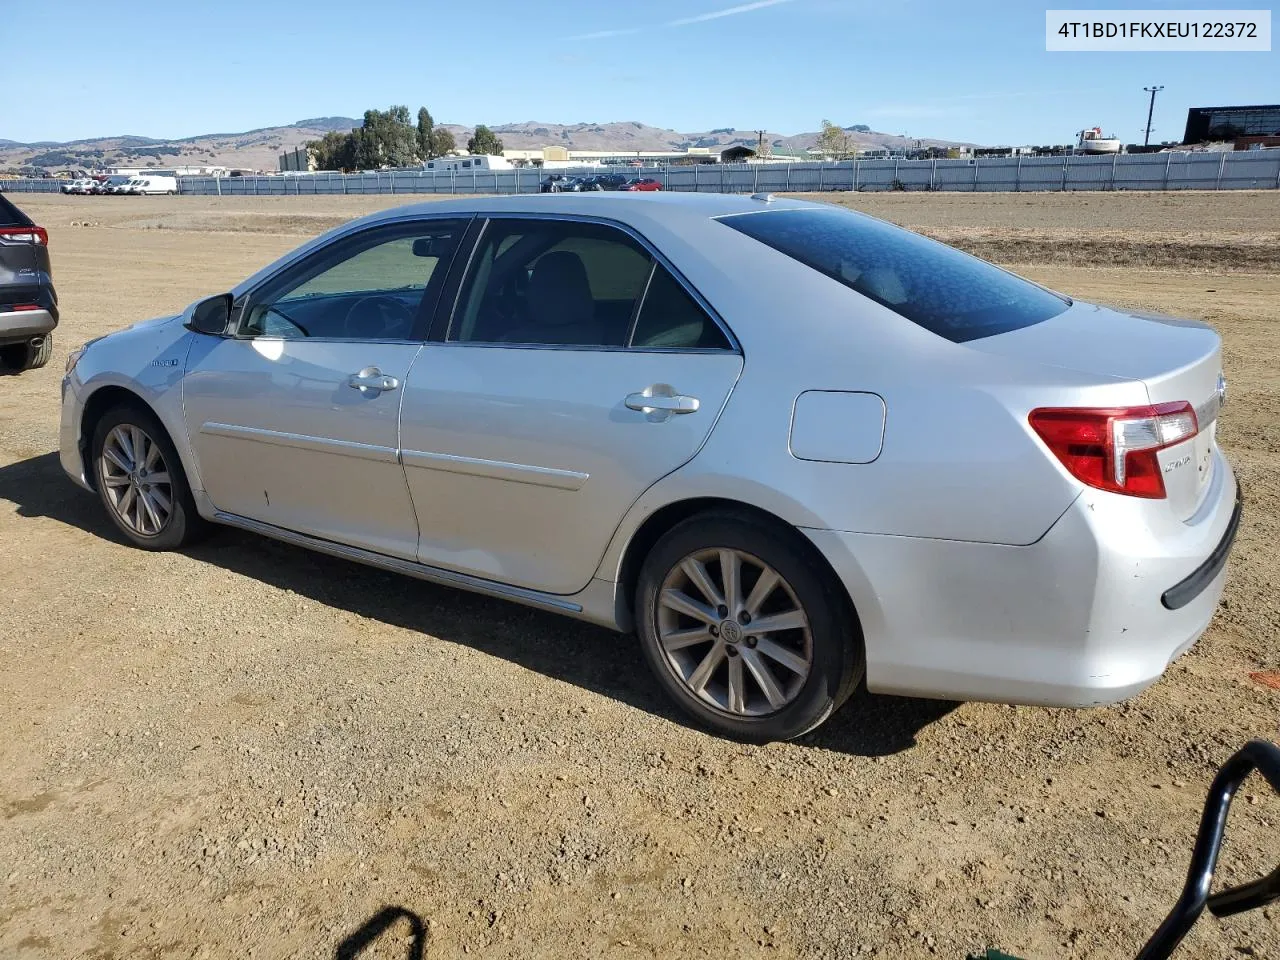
(24, 356)
(746, 632)
(141, 481)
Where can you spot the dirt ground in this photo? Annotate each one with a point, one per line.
(247, 750)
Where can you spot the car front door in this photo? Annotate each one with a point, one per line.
(576, 371)
(294, 418)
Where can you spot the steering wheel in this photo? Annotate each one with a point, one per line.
(378, 317)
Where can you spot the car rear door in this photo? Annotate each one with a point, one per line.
(576, 370)
(294, 419)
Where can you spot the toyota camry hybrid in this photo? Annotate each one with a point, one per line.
(793, 447)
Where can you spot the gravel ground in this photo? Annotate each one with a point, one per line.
(250, 750)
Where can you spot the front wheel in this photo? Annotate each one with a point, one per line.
(745, 629)
(141, 482)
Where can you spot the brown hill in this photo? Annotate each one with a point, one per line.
(258, 149)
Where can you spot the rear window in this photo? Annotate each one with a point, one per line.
(943, 290)
(11, 216)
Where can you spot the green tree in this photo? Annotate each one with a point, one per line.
(835, 142)
(442, 142)
(333, 151)
(484, 141)
(388, 139)
(426, 134)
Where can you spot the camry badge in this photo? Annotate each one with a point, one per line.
(1222, 391)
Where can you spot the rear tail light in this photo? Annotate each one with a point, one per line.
(1115, 448)
(36, 235)
(25, 306)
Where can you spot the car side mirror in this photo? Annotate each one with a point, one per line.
(210, 315)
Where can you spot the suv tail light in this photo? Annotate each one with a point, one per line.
(37, 235)
(1115, 448)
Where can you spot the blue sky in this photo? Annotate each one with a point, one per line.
(957, 69)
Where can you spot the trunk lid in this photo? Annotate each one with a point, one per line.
(1177, 360)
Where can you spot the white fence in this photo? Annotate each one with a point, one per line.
(1237, 170)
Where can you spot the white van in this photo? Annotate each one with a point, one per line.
(152, 185)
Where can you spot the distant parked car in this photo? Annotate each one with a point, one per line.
(607, 181)
(28, 303)
(559, 183)
(151, 186)
(644, 184)
(82, 186)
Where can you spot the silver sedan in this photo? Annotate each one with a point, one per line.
(796, 449)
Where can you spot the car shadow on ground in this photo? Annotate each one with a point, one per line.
(590, 657)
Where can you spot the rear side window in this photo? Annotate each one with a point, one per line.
(671, 319)
(11, 216)
(943, 290)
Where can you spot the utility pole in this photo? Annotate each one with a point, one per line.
(1146, 141)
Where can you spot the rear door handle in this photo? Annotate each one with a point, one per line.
(371, 381)
(661, 402)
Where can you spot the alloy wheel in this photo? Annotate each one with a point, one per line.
(136, 480)
(734, 633)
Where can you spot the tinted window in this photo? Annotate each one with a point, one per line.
(370, 287)
(671, 318)
(941, 289)
(11, 216)
(551, 282)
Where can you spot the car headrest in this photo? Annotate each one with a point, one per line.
(559, 292)
(884, 284)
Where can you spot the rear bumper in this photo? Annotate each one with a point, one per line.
(1075, 619)
(24, 324)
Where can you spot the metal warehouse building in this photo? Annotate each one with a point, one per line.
(1205, 124)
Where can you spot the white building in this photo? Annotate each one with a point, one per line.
(185, 171)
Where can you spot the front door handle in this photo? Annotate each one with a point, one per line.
(660, 402)
(371, 382)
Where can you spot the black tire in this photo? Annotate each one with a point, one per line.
(23, 356)
(184, 524)
(837, 662)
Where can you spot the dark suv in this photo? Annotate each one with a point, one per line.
(28, 303)
(607, 181)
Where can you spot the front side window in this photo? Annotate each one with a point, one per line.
(943, 290)
(371, 287)
(552, 282)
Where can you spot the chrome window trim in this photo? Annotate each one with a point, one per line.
(583, 348)
(735, 346)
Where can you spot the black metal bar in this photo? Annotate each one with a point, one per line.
(1255, 755)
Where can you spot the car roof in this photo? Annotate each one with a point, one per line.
(628, 208)
(664, 217)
